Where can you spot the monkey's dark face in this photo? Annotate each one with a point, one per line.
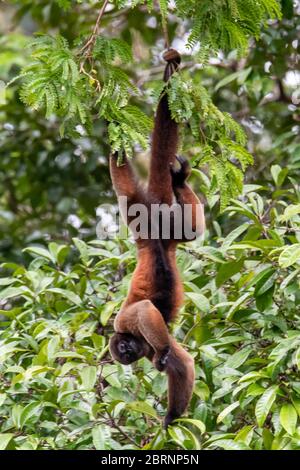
(126, 348)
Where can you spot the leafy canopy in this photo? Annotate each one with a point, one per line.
(80, 81)
(60, 388)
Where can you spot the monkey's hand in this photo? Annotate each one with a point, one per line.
(160, 360)
(179, 175)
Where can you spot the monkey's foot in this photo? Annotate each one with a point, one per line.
(181, 174)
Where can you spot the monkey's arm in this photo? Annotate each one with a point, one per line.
(192, 209)
(193, 213)
(123, 177)
(126, 186)
(181, 377)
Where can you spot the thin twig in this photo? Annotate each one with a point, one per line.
(164, 28)
(116, 426)
(166, 34)
(88, 46)
(92, 78)
(90, 42)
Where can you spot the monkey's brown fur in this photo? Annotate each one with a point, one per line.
(156, 291)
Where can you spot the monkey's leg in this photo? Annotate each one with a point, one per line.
(143, 319)
(164, 140)
(169, 356)
(154, 329)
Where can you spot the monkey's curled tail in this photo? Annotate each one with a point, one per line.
(181, 377)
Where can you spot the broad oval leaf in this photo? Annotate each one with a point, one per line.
(5, 439)
(142, 407)
(288, 418)
(290, 255)
(227, 411)
(264, 404)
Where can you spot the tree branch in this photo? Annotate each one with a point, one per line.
(90, 42)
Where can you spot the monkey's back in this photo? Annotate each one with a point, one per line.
(156, 278)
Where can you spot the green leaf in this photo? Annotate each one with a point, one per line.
(195, 422)
(100, 436)
(36, 250)
(142, 407)
(11, 292)
(107, 311)
(157, 443)
(58, 252)
(32, 409)
(227, 270)
(290, 212)
(240, 76)
(202, 390)
(289, 256)
(227, 411)
(245, 435)
(236, 305)
(279, 174)
(6, 281)
(199, 300)
(5, 439)
(83, 249)
(264, 282)
(265, 301)
(268, 438)
(264, 404)
(288, 418)
(29, 373)
(296, 403)
(73, 298)
(297, 358)
(238, 358)
(184, 437)
(88, 377)
(228, 444)
(2, 398)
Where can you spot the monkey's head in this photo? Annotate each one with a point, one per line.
(126, 348)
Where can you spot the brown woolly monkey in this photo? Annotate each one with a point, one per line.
(156, 291)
